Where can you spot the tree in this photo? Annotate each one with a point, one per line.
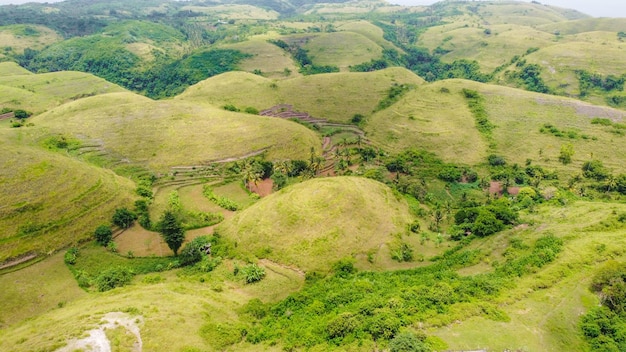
(567, 151)
(172, 231)
(103, 234)
(123, 218)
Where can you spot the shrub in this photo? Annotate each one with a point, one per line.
(402, 253)
(252, 273)
(251, 110)
(70, 256)
(342, 325)
(103, 234)
(123, 218)
(192, 252)
(486, 224)
(230, 107)
(344, 267)
(383, 325)
(496, 160)
(407, 342)
(112, 278)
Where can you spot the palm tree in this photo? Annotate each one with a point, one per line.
(250, 174)
(611, 183)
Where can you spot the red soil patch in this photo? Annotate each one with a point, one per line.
(141, 242)
(263, 188)
(496, 188)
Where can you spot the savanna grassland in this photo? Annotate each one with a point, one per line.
(299, 175)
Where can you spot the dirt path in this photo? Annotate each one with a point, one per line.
(97, 341)
(18, 261)
(268, 263)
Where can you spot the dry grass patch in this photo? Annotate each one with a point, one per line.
(21, 36)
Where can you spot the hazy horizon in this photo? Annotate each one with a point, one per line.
(598, 8)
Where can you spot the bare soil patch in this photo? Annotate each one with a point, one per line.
(263, 188)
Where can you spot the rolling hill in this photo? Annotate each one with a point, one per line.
(318, 222)
(163, 134)
(51, 200)
(335, 96)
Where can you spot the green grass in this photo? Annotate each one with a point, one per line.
(236, 12)
(162, 134)
(342, 49)
(369, 30)
(490, 50)
(545, 307)
(37, 93)
(429, 119)
(177, 305)
(35, 290)
(16, 38)
(268, 58)
(335, 96)
(315, 223)
(51, 200)
(586, 25)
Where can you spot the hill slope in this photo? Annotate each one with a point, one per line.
(162, 134)
(51, 200)
(335, 96)
(314, 224)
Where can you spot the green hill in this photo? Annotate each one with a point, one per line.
(585, 25)
(162, 134)
(490, 45)
(342, 49)
(434, 117)
(267, 58)
(51, 200)
(16, 38)
(318, 222)
(19, 89)
(336, 96)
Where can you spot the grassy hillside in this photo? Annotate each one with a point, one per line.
(162, 134)
(429, 118)
(369, 30)
(36, 93)
(16, 38)
(342, 49)
(435, 117)
(519, 117)
(165, 306)
(236, 12)
(544, 308)
(522, 13)
(585, 25)
(335, 96)
(272, 61)
(314, 224)
(51, 200)
(490, 45)
(560, 62)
